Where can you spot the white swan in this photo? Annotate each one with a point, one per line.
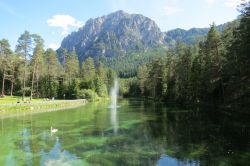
(53, 130)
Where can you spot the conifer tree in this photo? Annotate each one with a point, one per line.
(5, 59)
(24, 49)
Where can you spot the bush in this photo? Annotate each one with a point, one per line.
(87, 94)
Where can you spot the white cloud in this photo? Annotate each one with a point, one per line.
(228, 3)
(65, 22)
(54, 46)
(232, 3)
(170, 10)
(211, 2)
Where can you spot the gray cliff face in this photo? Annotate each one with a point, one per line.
(113, 35)
(120, 33)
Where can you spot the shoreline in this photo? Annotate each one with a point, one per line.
(7, 110)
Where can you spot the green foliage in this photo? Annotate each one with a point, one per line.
(88, 70)
(129, 87)
(62, 90)
(101, 88)
(183, 74)
(52, 64)
(24, 49)
(142, 75)
(52, 89)
(111, 75)
(216, 72)
(101, 72)
(37, 64)
(87, 94)
(237, 69)
(71, 65)
(6, 63)
(126, 65)
(48, 88)
(73, 89)
(191, 36)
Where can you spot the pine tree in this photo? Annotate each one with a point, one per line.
(88, 73)
(111, 75)
(101, 72)
(155, 81)
(24, 49)
(142, 76)
(37, 63)
(101, 88)
(211, 68)
(238, 61)
(53, 72)
(14, 62)
(5, 59)
(183, 72)
(71, 65)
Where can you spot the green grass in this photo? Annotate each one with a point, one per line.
(15, 99)
(14, 105)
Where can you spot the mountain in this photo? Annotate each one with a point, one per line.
(191, 36)
(123, 41)
(115, 34)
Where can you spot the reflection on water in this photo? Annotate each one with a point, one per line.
(10, 159)
(149, 134)
(58, 156)
(114, 120)
(166, 160)
(26, 144)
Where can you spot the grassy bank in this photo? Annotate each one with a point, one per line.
(14, 105)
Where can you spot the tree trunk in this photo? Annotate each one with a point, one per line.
(13, 80)
(3, 82)
(32, 82)
(37, 81)
(37, 84)
(12, 87)
(24, 75)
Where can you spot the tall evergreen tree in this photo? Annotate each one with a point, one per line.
(5, 59)
(101, 72)
(24, 49)
(88, 73)
(53, 72)
(155, 81)
(37, 63)
(71, 66)
(142, 76)
(237, 67)
(183, 73)
(13, 75)
(211, 67)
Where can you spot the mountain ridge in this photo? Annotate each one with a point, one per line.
(120, 33)
(113, 35)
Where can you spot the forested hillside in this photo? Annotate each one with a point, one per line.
(191, 36)
(215, 72)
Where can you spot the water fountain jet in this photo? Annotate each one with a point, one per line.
(113, 94)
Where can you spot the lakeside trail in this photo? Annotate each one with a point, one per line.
(14, 109)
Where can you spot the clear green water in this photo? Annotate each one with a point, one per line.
(140, 133)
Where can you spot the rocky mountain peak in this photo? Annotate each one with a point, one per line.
(114, 35)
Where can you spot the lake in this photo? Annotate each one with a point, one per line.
(138, 132)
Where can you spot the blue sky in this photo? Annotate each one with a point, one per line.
(54, 19)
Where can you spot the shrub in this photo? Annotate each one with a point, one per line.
(87, 94)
